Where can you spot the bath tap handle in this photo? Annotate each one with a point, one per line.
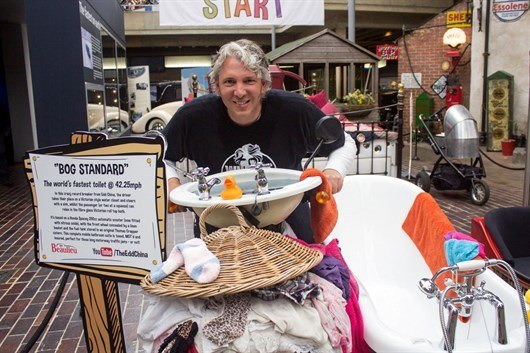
(200, 172)
(471, 265)
(260, 165)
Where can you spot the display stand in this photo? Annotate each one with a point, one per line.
(129, 167)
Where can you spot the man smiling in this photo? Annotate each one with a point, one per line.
(246, 121)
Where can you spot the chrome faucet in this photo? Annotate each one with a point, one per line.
(204, 186)
(465, 296)
(262, 183)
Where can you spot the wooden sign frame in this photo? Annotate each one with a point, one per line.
(98, 284)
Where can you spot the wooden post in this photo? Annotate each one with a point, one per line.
(100, 303)
(100, 299)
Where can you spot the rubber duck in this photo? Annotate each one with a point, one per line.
(231, 191)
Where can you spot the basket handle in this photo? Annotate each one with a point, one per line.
(220, 206)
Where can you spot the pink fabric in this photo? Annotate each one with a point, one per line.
(352, 307)
(319, 99)
(332, 313)
(330, 109)
(461, 236)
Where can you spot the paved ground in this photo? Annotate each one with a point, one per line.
(27, 290)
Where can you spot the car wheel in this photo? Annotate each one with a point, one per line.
(115, 125)
(156, 124)
(423, 180)
(480, 192)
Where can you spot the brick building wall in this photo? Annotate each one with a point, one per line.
(422, 51)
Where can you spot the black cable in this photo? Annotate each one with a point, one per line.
(411, 69)
(496, 163)
(49, 314)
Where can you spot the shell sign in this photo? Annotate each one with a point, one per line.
(510, 10)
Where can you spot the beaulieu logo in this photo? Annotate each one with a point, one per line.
(64, 249)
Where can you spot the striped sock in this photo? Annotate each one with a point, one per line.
(200, 264)
(172, 263)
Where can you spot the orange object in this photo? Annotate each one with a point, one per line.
(426, 225)
(324, 214)
(232, 190)
(322, 197)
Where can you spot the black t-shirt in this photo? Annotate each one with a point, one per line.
(202, 131)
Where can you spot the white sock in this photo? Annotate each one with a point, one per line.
(200, 264)
(172, 263)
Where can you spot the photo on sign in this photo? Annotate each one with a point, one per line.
(440, 86)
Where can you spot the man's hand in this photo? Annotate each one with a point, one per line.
(172, 183)
(335, 179)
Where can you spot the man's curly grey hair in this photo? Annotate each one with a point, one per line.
(249, 53)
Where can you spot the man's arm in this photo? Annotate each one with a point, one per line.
(339, 162)
(173, 182)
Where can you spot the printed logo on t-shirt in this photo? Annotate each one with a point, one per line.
(246, 156)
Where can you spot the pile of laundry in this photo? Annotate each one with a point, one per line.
(316, 311)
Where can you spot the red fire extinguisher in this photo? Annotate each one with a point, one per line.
(453, 93)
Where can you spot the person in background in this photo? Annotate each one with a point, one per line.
(245, 122)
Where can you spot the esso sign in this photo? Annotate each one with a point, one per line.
(506, 10)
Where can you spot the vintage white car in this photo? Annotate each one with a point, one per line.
(113, 114)
(157, 118)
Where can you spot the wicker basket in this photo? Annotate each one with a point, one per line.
(250, 258)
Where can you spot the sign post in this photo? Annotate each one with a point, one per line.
(99, 209)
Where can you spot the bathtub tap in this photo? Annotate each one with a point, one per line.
(204, 186)
(465, 296)
(262, 184)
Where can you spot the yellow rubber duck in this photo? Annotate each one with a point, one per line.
(231, 191)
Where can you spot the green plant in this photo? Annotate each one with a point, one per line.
(358, 98)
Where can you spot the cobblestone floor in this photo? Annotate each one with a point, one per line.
(27, 290)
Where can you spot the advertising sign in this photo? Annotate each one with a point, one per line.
(99, 205)
(458, 19)
(139, 90)
(440, 86)
(409, 80)
(510, 10)
(91, 46)
(91, 209)
(241, 13)
(387, 51)
(187, 81)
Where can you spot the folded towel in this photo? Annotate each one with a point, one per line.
(323, 215)
(460, 250)
(461, 236)
(426, 225)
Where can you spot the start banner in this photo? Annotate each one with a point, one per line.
(241, 12)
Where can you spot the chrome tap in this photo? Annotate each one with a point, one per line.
(204, 185)
(262, 183)
(466, 295)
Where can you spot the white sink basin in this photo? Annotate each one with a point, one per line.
(286, 192)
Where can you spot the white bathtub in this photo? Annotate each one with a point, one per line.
(398, 317)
